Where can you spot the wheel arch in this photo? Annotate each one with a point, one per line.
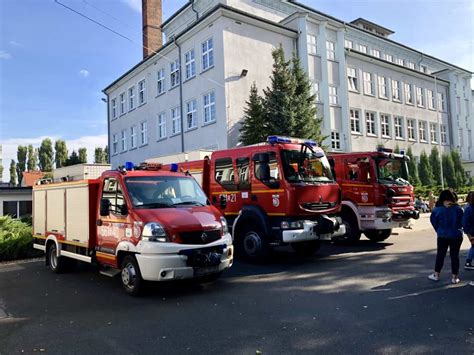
(351, 208)
(254, 214)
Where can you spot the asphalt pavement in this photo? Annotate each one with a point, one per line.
(369, 298)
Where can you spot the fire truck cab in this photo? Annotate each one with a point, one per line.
(376, 194)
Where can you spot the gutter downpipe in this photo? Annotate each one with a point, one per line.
(108, 129)
(180, 96)
(439, 127)
(192, 8)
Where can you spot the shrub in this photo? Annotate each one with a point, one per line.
(16, 240)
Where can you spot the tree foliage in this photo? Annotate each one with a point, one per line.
(21, 154)
(45, 155)
(449, 172)
(412, 168)
(60, 156)
(424, 170)
(73, 159)
(254, 127)
(435, 164)
(1, 173)
(12, 173)
(82, 155)
(459, 171)
(32, 158)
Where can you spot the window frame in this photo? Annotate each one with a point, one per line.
(355, 121)
(385, 126)
(161, 125)
(420, 93)
(384, 86)
(160, 81)
(207, 55)
(211, 106)
(422, 127)
(335, 140)
(373, 124)
(333, 95)
(369, 83)
(175, 117)
(331, 50)
(193, 113)
(312, 47)
(131, 98)
(113, 109)
(398, 127)
(123, 103)
(175, 75)
(133, 135)
(143, 133)
(123, 141)
(409, 99)
(141, 92)
(411, 128)
(190, 64)
(352, 81)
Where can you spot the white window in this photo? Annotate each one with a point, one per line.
(370, 123)
(161, 126)
(352, 81)
(396, 91)
(362, 48)
(311, 44)
(190, 62)
(335, 140)
(434, 133)
(388, 57)
(411, 129)
(420, 97)
(332, 95)
(369, 88)
(123, 139)
(174, 73)
(441, 101)
(141, 92)
(331, 50)
(411, 65)
(400, 61)
(408, 94)
(316, 91)
(444, 134)
(160, 81)
(348, 44)
(355, 121)
(143, 133)
(114, 143)
(175, 120)
(114, 108)
(422, 130)
(398, 127)
(133, 137)
(431, 100)
(383, 87)
(122, 103)
(191, 114)
(209, 101)
(376, 53)
(207, 48)
(385, 125)
(131, 98)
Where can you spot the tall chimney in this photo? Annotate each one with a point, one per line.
(151, 17)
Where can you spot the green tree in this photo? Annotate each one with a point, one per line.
(45, 155)
(12, 173)
(424, 170)
(73, 159)
(98, 155)
(1, 173)
(32, 158)
(106, 154)
(449, 172)
(459, 169)
(412, 168)
(82, 155)
(397, 149)
(435, 165)
(21, 154)
(254, 128)
(60, 155)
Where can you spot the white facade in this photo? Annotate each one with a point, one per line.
(369, 89)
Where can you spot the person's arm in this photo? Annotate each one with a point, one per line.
(467, 218)
(434, 219)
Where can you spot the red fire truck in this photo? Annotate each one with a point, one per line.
(275, 193)
(143, 223)
(376, 194)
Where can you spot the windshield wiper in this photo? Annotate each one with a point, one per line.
(193, 203)
(156, 205)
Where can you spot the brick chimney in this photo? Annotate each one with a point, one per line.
(151, 17)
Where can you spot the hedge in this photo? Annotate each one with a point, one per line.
(16, 240)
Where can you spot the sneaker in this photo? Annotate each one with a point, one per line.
(468, 265)
(455, 280)
(471, 283)
(433, 277)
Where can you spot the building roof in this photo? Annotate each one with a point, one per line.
(364, 21)
(30, 177)
(11, 190)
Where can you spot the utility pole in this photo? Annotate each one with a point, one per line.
(439, 130)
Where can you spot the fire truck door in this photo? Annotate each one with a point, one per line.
(266, 180)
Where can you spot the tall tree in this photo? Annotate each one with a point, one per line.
(73, 159)
(12, 173)
(60, 155)
(82, 155)
(32, 158)
(1, 172)
(254, 128)
(424, 170)
(435, 164)
(106, 154)
(459, 169)
(449, 172)
(412, 168)
(98, 155)
(45, 155)
(22, 152)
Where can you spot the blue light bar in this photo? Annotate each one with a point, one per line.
(280, 139)
(129, 166)
(174, 168)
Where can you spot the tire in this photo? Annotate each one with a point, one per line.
(56, 263)
(378, 235)
(307, 248)
(131, 277)
(252, 244)
(353, 232)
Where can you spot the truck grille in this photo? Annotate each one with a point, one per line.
(317, 206)
(200, 237)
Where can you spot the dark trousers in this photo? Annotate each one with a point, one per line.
(454, 246)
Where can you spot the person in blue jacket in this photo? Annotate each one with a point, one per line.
(468, 226)
(446, 219)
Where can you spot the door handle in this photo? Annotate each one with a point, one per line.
(98, 222)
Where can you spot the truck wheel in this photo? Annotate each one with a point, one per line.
(307, 248)
(378, 235)
(56, 263)
(131, 277)
(353, 232)
(252, 244)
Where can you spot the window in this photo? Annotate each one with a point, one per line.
(370, 123)
(209, 107)
(112, 191)
(383, 87)
(434, 133)
(160, 81)
(131, 98)
(316, 91)
(444, 134)
(267, 172)
(174, 73)
(10, 208)
(115, 144)
(141, 92)
(190, 63)
(388, 57)
(422, 130)
(207, 54)
(311, 44)
(385, 125)
(398, 126)
(461, 137)
(420, 97)
(355, 120)
(362, 48)
(348, 44)
(122, 103)
(123, 139)
(408, 94)
(411, 129)
(161, 126)
(225, 173)
(441, 101)
(431, 100)
(400, 61)
(376, 53)
(396, 91)
(114, 108)
(411, 65)
(133, 137)
(331, 50)
(352, 79)
(25, 208)
(143, 133)
(191, 113)
(243, 171)
(332, 95)
(335, 140)
(369, 88)
(175, 120)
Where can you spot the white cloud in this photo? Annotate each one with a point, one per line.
(136, 5)
(5, 55)
(10, 147)
(84, 73)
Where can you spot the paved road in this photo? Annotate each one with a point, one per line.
(364, 299)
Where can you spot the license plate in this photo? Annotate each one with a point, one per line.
(206, 270)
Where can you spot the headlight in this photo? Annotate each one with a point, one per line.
(154, 232)
(386, 214)
(225, 229)
(292, 225)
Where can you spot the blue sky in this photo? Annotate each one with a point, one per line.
(54, 63)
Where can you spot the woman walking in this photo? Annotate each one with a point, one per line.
(468, 226)
(446, 219)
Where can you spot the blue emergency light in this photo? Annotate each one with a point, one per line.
(129, 165)
(174, 168)
(280, 139)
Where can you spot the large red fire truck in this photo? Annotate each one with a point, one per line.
(142, 222)
(275, 193)
(376, 194)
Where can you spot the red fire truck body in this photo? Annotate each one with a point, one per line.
(145, 224)
(376, 195)
(276, 193)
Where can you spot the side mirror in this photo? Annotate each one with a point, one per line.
(104, 207)
(223, 202)
(124, 209)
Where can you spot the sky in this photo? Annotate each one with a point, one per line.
(54, 63)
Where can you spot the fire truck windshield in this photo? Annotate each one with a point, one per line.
(306, 166)
(164, 192)
(392, 171)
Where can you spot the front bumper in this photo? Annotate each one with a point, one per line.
(310, 231)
